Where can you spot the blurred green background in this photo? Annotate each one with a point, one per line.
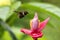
(10, 23)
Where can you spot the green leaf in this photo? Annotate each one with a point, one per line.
(1, 31)
(51, 8)
(51, 31)
(15, 5)
(6, 36)
(4, 13)
(13, 8)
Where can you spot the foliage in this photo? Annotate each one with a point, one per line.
(9, 17)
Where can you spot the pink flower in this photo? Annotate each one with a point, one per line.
(36, 27)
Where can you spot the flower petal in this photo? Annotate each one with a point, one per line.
(25, 31)
(43, 24)
(37, 35)
(34, 22)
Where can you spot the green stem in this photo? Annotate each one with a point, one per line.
(7, 27)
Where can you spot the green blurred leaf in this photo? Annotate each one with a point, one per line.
(51, 8)
(51, 32)
(1, 31)
(4, 13)
(44, 11)
(15, 5)
(13, 16)
(6, 36)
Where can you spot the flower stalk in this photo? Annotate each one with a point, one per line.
(34, 38)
